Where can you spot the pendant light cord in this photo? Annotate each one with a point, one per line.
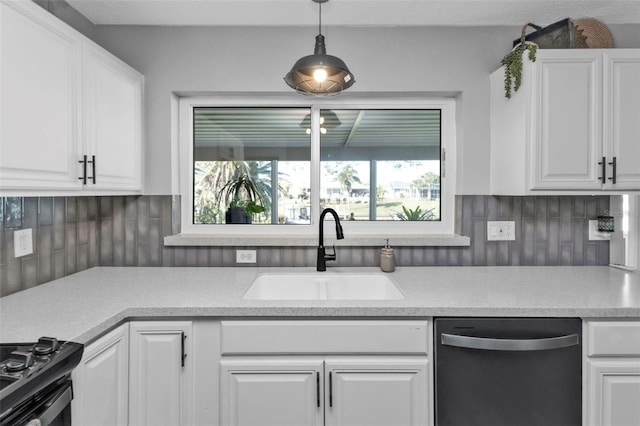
(320, 18)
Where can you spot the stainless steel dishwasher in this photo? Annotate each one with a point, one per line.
(508, 371)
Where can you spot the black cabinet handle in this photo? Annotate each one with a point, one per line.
(318, 388)
(603, 164)
(83, 178)
(182, 354)
(330, 391)
(93, 169)
(613, 164)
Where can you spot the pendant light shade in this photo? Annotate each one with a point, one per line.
(328, 120)
(320, 74)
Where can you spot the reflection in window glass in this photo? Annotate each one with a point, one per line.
(251, 165)
(381, 164)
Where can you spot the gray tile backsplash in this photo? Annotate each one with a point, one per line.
(72, 234)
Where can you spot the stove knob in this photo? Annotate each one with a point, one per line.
(19, 361)
(45, 346)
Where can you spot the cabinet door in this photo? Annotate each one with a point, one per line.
(39, 94)
(161, 373)
(380, 392)
(113, 120)
(101, 381)
(613, 392)
(271, 392)
(566, 124)
(621, 123)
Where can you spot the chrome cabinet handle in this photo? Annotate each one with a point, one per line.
(488, 344)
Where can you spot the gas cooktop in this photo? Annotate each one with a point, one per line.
(27, 370)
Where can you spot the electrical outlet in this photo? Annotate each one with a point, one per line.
(22, 242)
(594, 234)
(501, 231)
(246, 256)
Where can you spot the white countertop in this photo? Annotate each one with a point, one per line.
(82, 306)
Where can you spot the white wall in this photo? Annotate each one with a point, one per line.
(255, 59)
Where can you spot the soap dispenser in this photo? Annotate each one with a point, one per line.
(387, 258)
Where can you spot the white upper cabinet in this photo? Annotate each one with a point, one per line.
(622, 117)
(71, 112)
(566, 100)
(113, 120)
(40, 99)
(572, 126)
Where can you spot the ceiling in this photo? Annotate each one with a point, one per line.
(286, 127)
(354, 12)
(262, 134)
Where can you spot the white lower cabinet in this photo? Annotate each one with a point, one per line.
(297, 391)
(612, 369)
(160, 382)
(614, 392)
(141, 373)
(376, 391)
(101, 381)
(272, 392)
(343, 373)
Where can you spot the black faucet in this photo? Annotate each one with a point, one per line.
(322, 256)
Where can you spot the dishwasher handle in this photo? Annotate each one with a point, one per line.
(489, 344)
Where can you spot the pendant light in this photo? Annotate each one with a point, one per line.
(328, 120)
(320, 74)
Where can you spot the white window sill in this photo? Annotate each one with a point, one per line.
(436, 240)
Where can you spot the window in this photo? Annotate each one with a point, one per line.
(386, 166)
(381, 164)
(250, 165)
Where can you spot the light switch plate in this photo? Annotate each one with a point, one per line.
(594, 234)
(22, 242)
(246, 256)
(501, 231)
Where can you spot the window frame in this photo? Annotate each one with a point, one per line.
(183, 168)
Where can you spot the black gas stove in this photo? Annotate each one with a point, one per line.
(35, 382)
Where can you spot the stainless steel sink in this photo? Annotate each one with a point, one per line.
(323, 286)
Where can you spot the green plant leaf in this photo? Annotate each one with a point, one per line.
(415, 214)
(512, 62)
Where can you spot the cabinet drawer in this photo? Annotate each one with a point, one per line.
(324, 337)
(609, 338)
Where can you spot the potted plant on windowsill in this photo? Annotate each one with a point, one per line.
(243, 199)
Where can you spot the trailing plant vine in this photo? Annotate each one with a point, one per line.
(513, 67)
